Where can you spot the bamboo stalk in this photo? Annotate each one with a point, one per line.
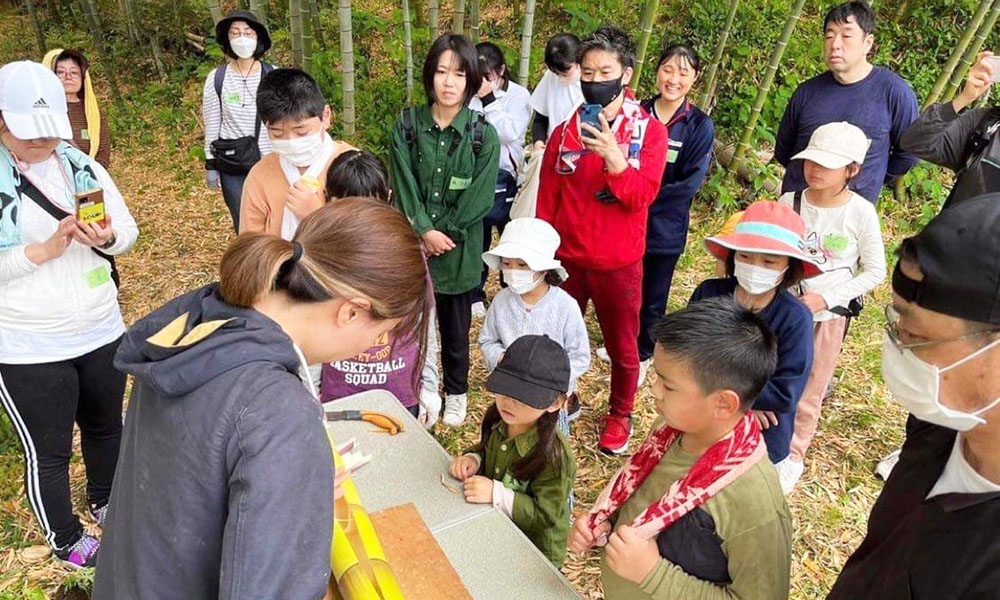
(765, 86)
(711, 78)
(93, 16)
(296, 32)
(37, 25)
(474, 21)
(317, 24)
(433, 18)
(458, 17)
(307, 39)
(259, 9)
(649, 9)
(524, 65)
(214, 9)
(347, 65)
(408, 45)
(970, 54)
(963, 43)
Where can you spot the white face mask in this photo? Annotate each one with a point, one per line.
(300, 151)
(522, 281)
(916, 385)
(757, 280)
(243, 46)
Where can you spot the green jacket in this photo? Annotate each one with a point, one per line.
(541, 506)
(442, 184)
(752, 521)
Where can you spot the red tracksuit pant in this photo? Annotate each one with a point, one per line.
(617, 298)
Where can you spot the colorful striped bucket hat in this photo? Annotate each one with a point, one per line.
(769, 228)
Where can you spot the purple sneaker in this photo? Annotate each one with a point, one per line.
(82, 554)
(98, 514)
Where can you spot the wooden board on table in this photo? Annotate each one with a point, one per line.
(421, 568)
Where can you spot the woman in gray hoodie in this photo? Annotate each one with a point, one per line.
(224, 487)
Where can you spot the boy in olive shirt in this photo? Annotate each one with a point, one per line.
(697, 513)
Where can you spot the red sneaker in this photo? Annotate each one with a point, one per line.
(614, 438)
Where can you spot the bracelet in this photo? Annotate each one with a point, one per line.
(111, 242)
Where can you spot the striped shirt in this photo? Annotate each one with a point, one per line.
(236, 115)
(82, 136)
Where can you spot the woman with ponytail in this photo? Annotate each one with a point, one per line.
(523, 464)
(226, 482)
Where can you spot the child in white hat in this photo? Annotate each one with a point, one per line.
(532, 303)
(844, 238)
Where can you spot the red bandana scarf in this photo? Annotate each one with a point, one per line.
(629, 129)
(719, 466)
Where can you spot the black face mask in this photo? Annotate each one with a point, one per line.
(601, 92)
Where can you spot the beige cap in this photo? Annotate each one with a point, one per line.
(836, 145)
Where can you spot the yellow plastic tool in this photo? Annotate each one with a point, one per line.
(357, 560)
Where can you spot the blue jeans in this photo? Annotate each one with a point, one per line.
(232, 191)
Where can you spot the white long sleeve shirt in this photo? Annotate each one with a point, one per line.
(556, 315)
(556, 99)
(509, 113)
(846, 242)
(68, 306)
(236, 115)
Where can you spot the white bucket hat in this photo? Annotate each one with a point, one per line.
(33, 102)
(836, 145)
(532, 240)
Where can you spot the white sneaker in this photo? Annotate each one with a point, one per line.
(602, 353)
(644, 370)
(454, 409)
(478, 310)
(886, 465)
(789, 472)
(430, 406)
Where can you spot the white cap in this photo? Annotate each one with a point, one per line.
(532, 240)
(836, 145)
(33, 102)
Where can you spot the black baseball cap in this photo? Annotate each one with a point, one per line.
(534, 370)
(959, 256)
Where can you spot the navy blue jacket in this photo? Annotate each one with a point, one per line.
(691, 134)
(792, 324)
(883, 105)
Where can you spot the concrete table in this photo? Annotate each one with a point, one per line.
(491, 555)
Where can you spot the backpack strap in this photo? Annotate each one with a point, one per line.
(797, 202)
(220, 76)
(410, 125)
(478, 128)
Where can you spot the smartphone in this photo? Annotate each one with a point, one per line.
(590, 114)
(90, 207)
(996, 67)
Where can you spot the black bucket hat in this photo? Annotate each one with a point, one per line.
(534, 370)
(222, 32)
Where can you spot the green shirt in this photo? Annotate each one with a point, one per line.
(442, 184)
(541, 505)
(752, 520)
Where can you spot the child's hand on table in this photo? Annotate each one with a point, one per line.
(630, 556)
(581, 538)
(463, 467)
(479, 490)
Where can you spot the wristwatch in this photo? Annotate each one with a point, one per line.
(111, 242)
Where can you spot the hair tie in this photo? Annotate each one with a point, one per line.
(296, 252)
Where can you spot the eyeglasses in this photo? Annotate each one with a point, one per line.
(892, 317)
(69, 74)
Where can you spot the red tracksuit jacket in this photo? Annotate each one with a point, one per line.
(598, 235)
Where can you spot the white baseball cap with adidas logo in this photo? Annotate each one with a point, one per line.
(33, 102)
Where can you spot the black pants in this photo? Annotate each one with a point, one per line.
(43, 401)
(498, 218)
(454, 314)
(657, 273)
(232, 191)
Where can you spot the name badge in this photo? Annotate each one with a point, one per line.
(233, 98)
(460, 183)
(672, 156)
(97, 277)
(84, 134)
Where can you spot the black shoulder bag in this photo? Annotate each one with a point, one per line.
(238, 156)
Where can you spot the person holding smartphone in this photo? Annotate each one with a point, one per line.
(600, 173)
(60, 322)
(965, 140)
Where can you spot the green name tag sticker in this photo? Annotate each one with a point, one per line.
(97, 277)
(460, 183)
(513, 484)
(84, 134)
(234, 98)
(672, 156)
(835, 242)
